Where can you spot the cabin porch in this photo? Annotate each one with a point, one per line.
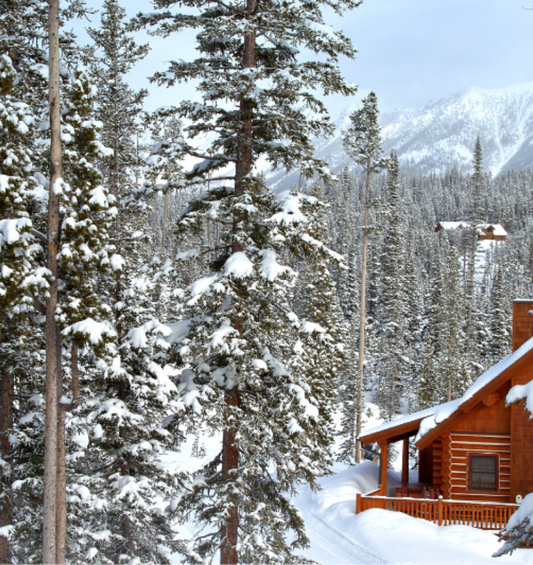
(423, 499)
(483, 515)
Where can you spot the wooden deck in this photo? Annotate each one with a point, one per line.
(483, 515)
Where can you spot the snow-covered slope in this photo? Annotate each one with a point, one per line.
(442, 133)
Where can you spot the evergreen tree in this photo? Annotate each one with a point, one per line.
(240, 378)
(499, 345)
(392, 373)
(362, 141)
(22, 283)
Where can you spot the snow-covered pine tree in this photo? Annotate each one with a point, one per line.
(349, 381)
(116, 435)
(477, 217)
(455, 375)
(362, 142)
(22, 284)
(119, 108)
(478, 185)
(392, 371)
(499, 344)
(256, 95)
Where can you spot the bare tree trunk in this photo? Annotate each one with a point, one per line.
(61, 477)
(6, 423)
(230, 455)
(53, 361)
(230, 461)
(362, 323)
(164, 228)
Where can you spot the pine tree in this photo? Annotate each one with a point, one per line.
(393, 318)
(119, 108)
(499, 345)
(362, 141)
(455, 377)
(240, 353)
(22, 284)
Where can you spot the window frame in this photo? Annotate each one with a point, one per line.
(496, 472)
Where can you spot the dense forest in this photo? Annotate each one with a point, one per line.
(144, 300)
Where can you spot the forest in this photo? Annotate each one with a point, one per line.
(153, 286)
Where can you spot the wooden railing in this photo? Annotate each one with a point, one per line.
(483, 515)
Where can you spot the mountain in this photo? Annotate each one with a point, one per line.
(442, 134)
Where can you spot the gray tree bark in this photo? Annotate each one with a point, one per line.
(53, 359)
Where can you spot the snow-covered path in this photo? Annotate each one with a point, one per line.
(327, 509)
(331, 547)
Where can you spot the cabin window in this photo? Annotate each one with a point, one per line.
(483, 472)
(489, 229)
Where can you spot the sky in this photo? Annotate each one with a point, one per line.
(409, 51)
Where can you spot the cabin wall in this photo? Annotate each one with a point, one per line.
(486, 430)
(521, 441)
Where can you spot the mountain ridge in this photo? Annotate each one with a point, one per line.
(441, 134)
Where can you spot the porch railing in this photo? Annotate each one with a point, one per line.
(483, 515)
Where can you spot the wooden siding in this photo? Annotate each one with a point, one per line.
(521, 439)
(437, 464)
(461, 446)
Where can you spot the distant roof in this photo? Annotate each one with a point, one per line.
(453, 225)
(498, 229)
(436, 415)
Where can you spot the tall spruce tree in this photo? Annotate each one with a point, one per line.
(256, 95)
(362, 141)
(393, 311)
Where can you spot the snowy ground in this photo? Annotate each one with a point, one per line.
(339, 536)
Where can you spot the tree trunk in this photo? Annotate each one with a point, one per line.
(61, 477)
(229, 532)
(6, 424)
(230, 461)
(53, 361)
(362, 322)
(164, 228)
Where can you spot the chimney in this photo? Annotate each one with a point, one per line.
(522, 321)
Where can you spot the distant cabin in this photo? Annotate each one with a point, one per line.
(475, 455)
(485, 231)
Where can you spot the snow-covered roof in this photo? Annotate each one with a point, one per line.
(405, 419)
(497, 229)
(444, 411)
(432, 417)
(453, 225)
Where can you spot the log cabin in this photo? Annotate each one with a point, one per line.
(475, 449)
(485, 231)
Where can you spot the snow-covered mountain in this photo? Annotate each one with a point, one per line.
(442, 133)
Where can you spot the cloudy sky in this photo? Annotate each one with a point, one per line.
(409, 51)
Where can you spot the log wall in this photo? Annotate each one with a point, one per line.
(521, 440)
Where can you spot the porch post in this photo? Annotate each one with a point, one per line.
(383, 468)
(405, 461)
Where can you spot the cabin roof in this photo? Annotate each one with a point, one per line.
(429, 422)
(498, 229)
(452, 225)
